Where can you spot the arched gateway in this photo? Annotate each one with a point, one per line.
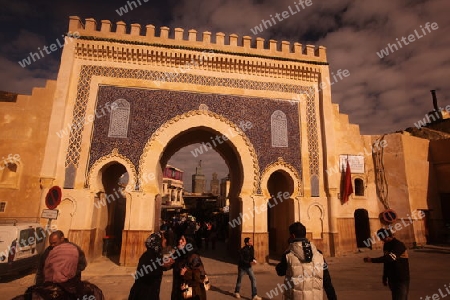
(131, 101)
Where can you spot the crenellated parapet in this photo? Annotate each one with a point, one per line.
(177, 37)
(132, 44)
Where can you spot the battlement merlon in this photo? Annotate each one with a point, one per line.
(296, 52)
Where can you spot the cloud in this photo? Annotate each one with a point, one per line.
(389, 94)
(16, 79)
(11, 10)
(380, 95)
(353, 32)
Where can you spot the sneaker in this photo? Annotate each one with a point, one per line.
(256, 297)
(236, 295)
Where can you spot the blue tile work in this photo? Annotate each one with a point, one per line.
(152, 108)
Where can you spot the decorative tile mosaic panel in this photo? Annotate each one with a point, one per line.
(149, 109)
(313, 139)
(119, 118)
(279, 132)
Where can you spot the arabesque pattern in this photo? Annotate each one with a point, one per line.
(87, 71)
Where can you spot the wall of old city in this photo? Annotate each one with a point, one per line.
(103, 64)
(23, 134)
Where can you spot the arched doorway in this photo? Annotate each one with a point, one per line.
(114, 178)
(202, 138)
(280, 210)
(362, 228)
(212, 131)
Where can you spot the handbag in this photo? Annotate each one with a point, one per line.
(186, 291)
(206, 283)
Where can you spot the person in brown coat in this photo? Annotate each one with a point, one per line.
(194, 273)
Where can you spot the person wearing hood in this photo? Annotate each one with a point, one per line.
(149, 272)
(193, 273)
(305, 270)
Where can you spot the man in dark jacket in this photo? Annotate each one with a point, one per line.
(396, 264)
(246, 259)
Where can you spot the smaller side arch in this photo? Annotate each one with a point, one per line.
(319, 206)
(315, 215)
(67, 210)
(94, 181)
(281, 165)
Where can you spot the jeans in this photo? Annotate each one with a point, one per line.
(399, 290)
(242, 272)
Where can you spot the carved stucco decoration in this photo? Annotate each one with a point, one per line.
(280, 164)
(319, 206)
(114, 156)
(84, 87)
(316, 213)
(69, 198)
(160, 131)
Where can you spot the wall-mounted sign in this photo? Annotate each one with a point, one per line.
(49, 214)
(389, 216)
(356, 163)
(53, 197)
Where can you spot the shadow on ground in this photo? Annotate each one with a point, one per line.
(439, 251)
(18, 275)
(220, 253)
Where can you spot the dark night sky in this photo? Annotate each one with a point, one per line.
(381, 95)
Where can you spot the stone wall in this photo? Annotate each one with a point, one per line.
(23, 134)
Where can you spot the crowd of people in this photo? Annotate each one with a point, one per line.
(176, 247)
(204, 233)
(189, 275)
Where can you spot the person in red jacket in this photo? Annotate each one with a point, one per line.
(396, 265)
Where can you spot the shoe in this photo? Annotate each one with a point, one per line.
(236, 295)
(256, 297)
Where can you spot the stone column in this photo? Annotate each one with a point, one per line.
(140, 222)
(333, 236)
(255, 225)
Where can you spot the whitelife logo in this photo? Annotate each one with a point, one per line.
(257, 210)
(124, 9)
(48, 49)
(411, 38)
(244, 126)
(280, 17)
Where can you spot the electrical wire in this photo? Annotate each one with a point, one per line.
(380, 176)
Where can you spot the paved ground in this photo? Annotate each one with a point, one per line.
(353, 279)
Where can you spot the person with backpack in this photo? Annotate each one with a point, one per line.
(305, 270)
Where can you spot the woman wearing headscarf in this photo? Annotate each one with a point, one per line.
(180, 263)
(150, 269)
(194, 273)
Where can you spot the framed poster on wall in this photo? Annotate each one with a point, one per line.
(356, 163)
